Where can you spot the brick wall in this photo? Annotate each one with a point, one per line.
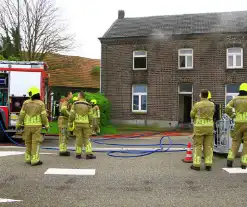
(163, 76)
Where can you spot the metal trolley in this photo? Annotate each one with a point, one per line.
(223, 139)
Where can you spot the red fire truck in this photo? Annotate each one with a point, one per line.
(15, 80)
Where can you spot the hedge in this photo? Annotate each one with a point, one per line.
(103, 103)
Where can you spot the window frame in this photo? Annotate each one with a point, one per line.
(139, 94)
(234, 58)
(229, 94)
(146, 56)
(192, 55)
(183, 92)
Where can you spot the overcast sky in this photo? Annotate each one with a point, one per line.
(89, 20)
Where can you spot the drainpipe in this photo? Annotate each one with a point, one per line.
(100, 71)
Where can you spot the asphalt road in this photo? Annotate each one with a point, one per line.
(156, 180)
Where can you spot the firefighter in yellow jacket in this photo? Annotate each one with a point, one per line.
(64, 109)
(81, 114)
(237, 109)
(96, 117)
(71, 129)
(202, 114)
(33, 114)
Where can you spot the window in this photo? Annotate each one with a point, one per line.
(185, 88)
(185, 58)
(231, 92)
(234, 57)
(139, 60)
(139, 98)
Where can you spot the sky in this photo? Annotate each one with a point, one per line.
(89, 20)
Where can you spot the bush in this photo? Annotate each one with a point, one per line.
(95, 70)
(103, 103)
(1, 57)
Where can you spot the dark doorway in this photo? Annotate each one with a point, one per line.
(185, 104)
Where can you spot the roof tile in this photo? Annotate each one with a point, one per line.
(179, 24)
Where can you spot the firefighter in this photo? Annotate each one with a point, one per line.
(81, 114)
(33, 114)
(71, 129)
(237, 109)
(63, 125)
(202, 115)
(96, 118)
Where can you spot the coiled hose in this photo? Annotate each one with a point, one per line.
(112, 153)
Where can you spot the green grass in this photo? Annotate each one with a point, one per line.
(120, 129)
(53, 128)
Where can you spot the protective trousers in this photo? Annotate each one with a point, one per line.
(82, 133)
(238, 134)
(96, 126)
(33, 140)
(205, 141)
(63, 134)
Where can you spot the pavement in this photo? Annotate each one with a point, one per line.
(157, 180)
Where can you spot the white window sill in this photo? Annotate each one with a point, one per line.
(139, 68)
(139, 112)
(185, 68)
(232, 68)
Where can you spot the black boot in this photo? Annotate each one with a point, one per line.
(243, 167)
(64, 153)
(78, 156)
(208, 168)
(90, 157)
(195, 168)
(229, 163)
(38, 163)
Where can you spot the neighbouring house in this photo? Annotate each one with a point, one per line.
(72, 73)
(153, 68)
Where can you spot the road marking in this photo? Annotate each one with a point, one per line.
(63, 171)
(5, 200)
(235, 170)
(9, 153)
(10, 147)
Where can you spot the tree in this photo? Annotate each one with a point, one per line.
(35, 27)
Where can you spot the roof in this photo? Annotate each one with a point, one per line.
(72, 71)
(224, 22)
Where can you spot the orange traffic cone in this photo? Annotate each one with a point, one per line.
(188, 157)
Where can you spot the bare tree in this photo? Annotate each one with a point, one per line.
(37, 25)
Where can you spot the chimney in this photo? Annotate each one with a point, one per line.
(121, 14)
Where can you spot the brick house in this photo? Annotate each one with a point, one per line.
(153, 68)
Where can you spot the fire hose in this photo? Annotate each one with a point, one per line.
(113, 153)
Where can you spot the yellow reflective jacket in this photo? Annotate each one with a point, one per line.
(202, 113)
(64, 109)
(96, 111)
(237, 108)
(33, 113)
(81, 113)
(26, 101)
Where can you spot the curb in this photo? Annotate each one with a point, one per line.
(136, 135)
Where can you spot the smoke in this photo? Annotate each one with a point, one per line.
(159, 34)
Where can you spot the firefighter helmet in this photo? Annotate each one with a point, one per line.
(35, 91)
(243, 87)
(93, 101)
(209, 95)
(75, 99)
